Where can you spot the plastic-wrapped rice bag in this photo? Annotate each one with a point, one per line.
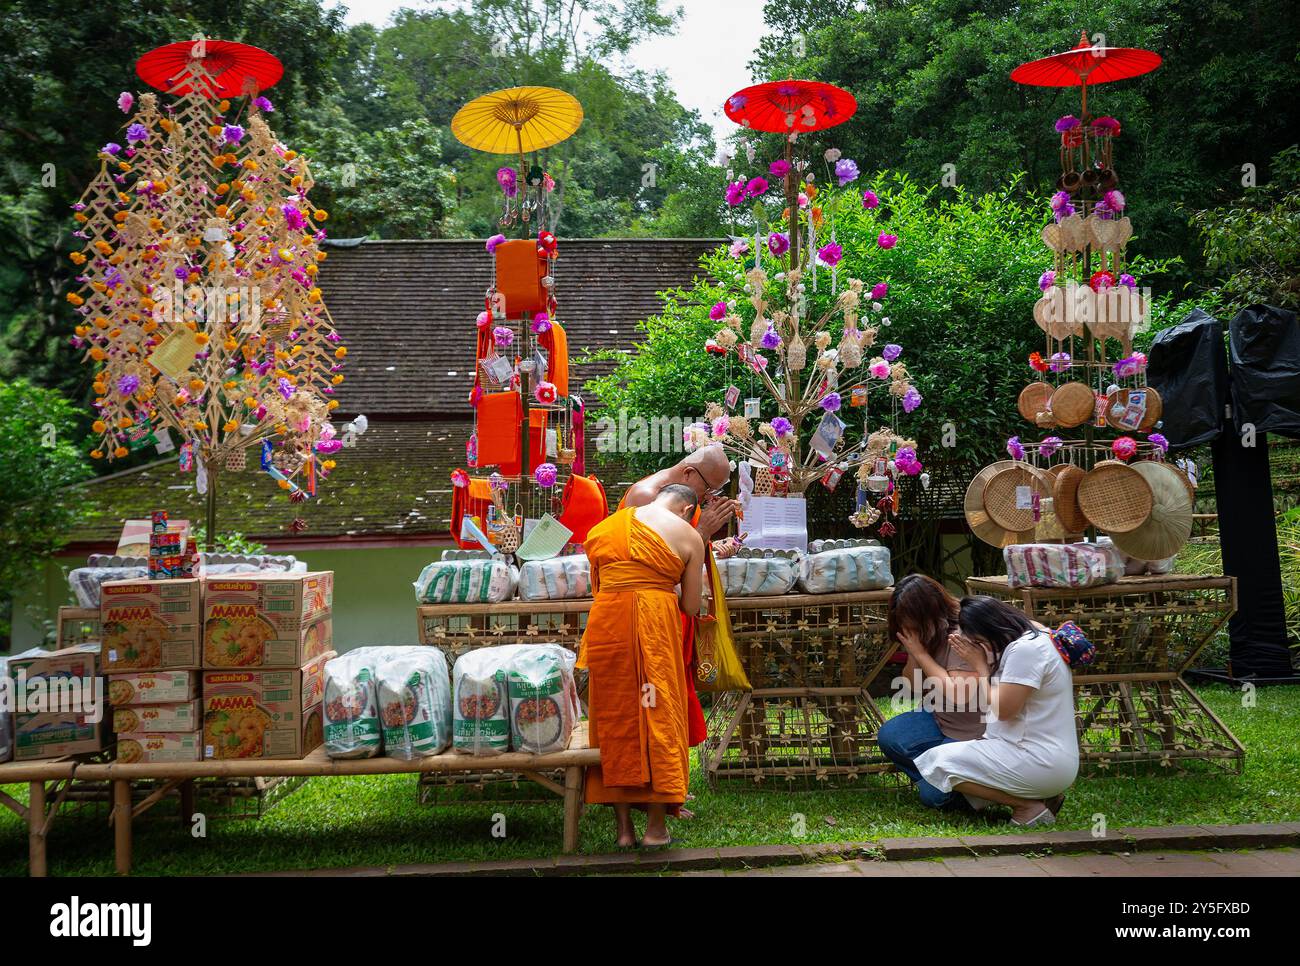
(846, 569)
(543, 698)
(1071, 565)
(560, 578)
(487, 581)
(482, 717)
(351, 705)
(1134, 567)
(414, 701)
(753, 576)
(86, 581)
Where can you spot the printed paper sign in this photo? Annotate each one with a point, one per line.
(174, 355)
(777, 523)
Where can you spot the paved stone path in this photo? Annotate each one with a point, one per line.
(1262, 862)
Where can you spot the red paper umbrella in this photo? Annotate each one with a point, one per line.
(231, 69)
(1086, 64)
(791, 105)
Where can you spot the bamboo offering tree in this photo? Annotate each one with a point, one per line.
(200, 309)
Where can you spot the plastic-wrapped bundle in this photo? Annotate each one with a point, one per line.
(466, 582)
(560, 578)
(1133, 567)
(748, 576)
(414, 701)
(86, 581)
(482, 713)
(1070, 565)
(846, 569)
(351, 705)
(543, 698)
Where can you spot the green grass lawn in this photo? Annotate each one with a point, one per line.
(337, 822)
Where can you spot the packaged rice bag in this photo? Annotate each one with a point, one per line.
(350, 709)
(484, 581)
(844, 569)
(482, 723)
(559, 578)
(752, 574)
(414, 701)
(543, 698)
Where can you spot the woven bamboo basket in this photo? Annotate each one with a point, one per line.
(1115, 497)
(1073, 404)
(1065, 497)
(977, 518)
(1034, 399)
(1000, 495)
(1155, 409)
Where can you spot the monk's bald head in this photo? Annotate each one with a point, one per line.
(679, 499)
(710, 466)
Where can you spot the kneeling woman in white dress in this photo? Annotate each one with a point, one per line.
(1029, 754)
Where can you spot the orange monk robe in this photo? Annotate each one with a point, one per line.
(634, 640)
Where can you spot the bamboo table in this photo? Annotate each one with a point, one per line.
(1132, 703)
(48, 783)
(809, 657)
(173, 776)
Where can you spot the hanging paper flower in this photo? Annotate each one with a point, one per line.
(735, 193)
(1061, 207)
(905, 461)
(737, 101)
(846, 171)
(782, 427)
(545, 393)
(1124, 448)
(459, 478)
(1036, 362)
(1047, 280)
(1050, 445)
(1015, 448)
(739, 248)
(778, 243)
(879, 368)
(832, 155)
(885, 240)
(830, 255)
(1159, 442)
(128, 384)
(879, 291)
(483, 319)
(503, 336)
(263, 104)
(1060, 362)
(771, 339)
(756, 187)
(718, 312)
(509, 181)
(293, 217)
(112, 147)
(541, 323)
(831, 402)
(1128, 281)
(1130, 365)
(1105, 126)
(911, 399)
(547, 243)
(232, 133)
(492, 243)
(125, 101)
(498, 482)
(804, 199)
(1101, 280)
(548, 183)
(137, 132)
(779, 169)
(721, 426)
(870, 199)
(1067, 123)
(285, 387)
(713, 346)
(891, 352)
(546, 475)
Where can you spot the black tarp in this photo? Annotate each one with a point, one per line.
(1188, 366)
(1264, 344)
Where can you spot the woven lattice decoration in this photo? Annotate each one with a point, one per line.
(197, 271)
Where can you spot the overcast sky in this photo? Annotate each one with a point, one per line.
(705, 61)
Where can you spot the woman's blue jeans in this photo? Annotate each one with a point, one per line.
(903, 738)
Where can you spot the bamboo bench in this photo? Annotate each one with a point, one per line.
(48, 783)
(180, 776)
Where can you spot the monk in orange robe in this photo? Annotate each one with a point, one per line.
(646, 571)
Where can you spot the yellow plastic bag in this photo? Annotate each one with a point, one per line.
(718, 666)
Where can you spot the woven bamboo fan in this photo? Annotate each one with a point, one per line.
(1001, 496)
(1169, 524)
(1118, 400)
(1115, 497)
(1033, 400)
(1065, 497)
(977, 518)
(1073, 404)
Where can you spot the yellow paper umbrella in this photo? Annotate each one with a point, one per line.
(517, 120)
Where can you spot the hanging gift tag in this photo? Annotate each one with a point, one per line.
(1099, 411)
(471, 450)
(552, 444)
(201, 477)
(828, 435)
(831, 478)
(1024, 498)
(164, 444)
(733, 396)
(266, 454)
(185, 459)
(752, 408)
(540, 361)
(858, 396)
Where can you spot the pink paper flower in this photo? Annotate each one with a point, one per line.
(886, 240)
(492, 243)
(541, 323)
(125, 101)
(1015, 449)
(779, 169)
(546, 475)
(778, 243)
(756, 187)
(739, 248)
(870, 199)
(879, 369)
(831, 402)
(830, 255)
(911, 399)
(718, 312)
(879, 291)
(735, 193)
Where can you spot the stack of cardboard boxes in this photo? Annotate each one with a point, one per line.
(59, 711)
(266, 638)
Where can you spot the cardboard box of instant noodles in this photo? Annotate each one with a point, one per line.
(267, 620)
(250, 713)
(148, 624)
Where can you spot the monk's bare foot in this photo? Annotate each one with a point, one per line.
(627, 841)
(656, 841)
(685, 812)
